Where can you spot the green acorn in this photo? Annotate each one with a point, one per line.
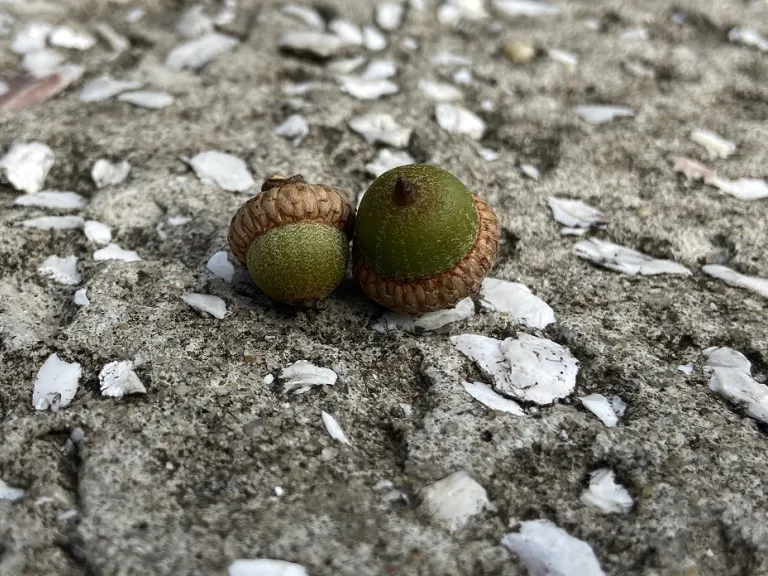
(294, 239)
(422, 240)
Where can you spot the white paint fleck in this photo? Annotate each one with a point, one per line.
(226, 171)
(635, 34)
(117, 379)
(279, 492)
(748, 37)
(334, 429)
(409, 43)
(386, 159)
(607, 494)
(625, 260)
(528, 8)
(348, 31)
(639, 69)
(547, 550)
(9, 493)
(206, 303)
(686, 368)
(81, 298)
(717, 146)
(531, 171)
(265, 567)
(389, 15)
(268, 379)
(300, 89)
(197, 53)
(42, 62)
(193, 23)
(147, 99)
(105, 87)
(603, 114)
(56, 384)
(117, 42)
(618, 405)
(728, 372)
(526, 367)
(179, 220)
(374, 40)
(3, 88)
(566, 231)
(380, 69)
(310, 17)
(382, 128)
(54, 223)
(135, 15)
(463, 76)
(220, 266)
(452, 12)
(319, 44)
(516, 300)
(300, 376)
(346, 65)
(30, 38)
(454, 500)
(491, 399)
(450, 59)
(693, 170)
(575, 213)
(53, 200)
(440, 91)
(566, 58)
(733, 278)
(487, 154)
(367, 88)
(745, 189)
(391, 321)
(25, 166)
(67, 37)
(61, 270)
(105, 173)
(456, 119)
(97, 232)
(601, 407)
(295, 128)
(114, 252)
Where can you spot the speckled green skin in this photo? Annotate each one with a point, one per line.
(299, 263)
(423, 238)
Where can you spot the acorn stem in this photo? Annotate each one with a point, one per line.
(276, 181)
(405, 191)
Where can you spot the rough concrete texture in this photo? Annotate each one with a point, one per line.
(181, 480)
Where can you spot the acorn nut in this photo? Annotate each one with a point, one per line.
(294, 239)
(422, 240)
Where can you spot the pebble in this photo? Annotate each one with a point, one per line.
(516, 300)
(105, 173)
(334, 429)
(195, 54)
(625, 260)
(56, 384)
(105, 87)
(52, 199)
(226, 171)
(455, 119)
(26, 165)
(378, 127)
(147, 99)
(114, 252)
(61, 270)
(117, 379)
(453, 501)
(518, 52)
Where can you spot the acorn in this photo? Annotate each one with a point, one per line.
(294, 239)
(422, 240)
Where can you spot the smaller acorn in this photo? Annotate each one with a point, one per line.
(294, 239)
(423, 241)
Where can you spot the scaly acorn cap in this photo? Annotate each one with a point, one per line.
(423, 242)
(293, 237)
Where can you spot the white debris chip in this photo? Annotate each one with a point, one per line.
(105, 87)
(463, 76)
(295, 128)
(386, 160)
(55, 384)
(728, 372)
(345, 65)
(491, 399)
(527, 368)
(264, 567)
(391, 321)
(206, 303)
(367, 88)
(147, 99)
(531, 171)
(440, 91)
(733, 278)
(449, 59)
(42, 62)
(117, 379)
(6, 23)
(97, 232)
(226, 171)
(488, 155)
(61, 270)
(626, 260)
(575, 213)
(634, 34)
(67, 37)
(686, 368)
(380, 70)
(548, 550)
(197, 53)
(748, 37)
(381, 128)
(745, 189)
(25, 166)
(54, 223)
(53, 200)
(525, 8)
(570, 60)
(455, 119)
(3, 88)
(104, 173)
(606, 494)
(300, 376)
(319, 44)
(374, 40)
(347, 31)
(389, 15)
(453, 501)
(116, 41)
(9, 493)
(601, 407)
(334, 430)
(717, 146)
(603, 114)
(81, 298)
(516, 300)
(220, 265)
(453, 12)
(193, 22)
(32, 37)
(114, 252)
(310, 17)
